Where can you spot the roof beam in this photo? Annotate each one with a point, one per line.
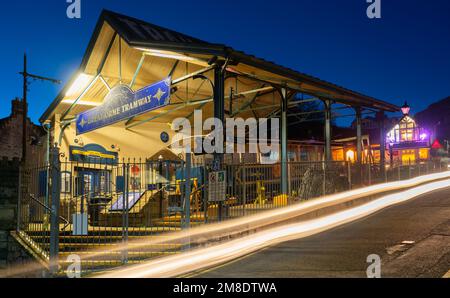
(200, 102)
(192, 74)
(174, 67)
(179, 107)
(348, 98)
(136, 72)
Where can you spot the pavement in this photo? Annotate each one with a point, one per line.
(412, 239)
(447, 275)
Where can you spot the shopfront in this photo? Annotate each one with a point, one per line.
(408, 142)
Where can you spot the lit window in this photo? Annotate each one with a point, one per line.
(350, 155)
(66, 182)
(423, 153)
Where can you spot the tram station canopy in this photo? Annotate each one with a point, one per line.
(136, 53)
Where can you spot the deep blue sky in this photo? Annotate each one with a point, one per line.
(403, 56)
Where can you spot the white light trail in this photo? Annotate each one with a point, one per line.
(211, 256)
(270, 217)
(264, 220)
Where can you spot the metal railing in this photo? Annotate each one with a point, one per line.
(102, 206)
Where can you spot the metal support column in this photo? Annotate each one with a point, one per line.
(55, 170)
(327, 133)
(380, 116)
(359, 146)
(187, 198)
(358, 136)
(125, 212)
(284, 170)
(219, 113)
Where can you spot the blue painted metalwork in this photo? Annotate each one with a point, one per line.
(94, 154)
(122, 103)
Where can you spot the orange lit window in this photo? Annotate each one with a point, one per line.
(423, 153)
(350, 156)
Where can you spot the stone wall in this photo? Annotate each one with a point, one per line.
(14, 259)
(9, 179)
(11, 252)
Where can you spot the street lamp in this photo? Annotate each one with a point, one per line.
(405, 109)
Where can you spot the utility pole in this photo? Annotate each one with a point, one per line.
(27, 75)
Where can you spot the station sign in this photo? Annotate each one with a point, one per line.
(122, 103)
(93, 153)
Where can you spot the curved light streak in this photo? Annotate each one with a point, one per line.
(211, 256)
(269, 217)
(264, 219)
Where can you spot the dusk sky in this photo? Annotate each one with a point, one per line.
(405, 55)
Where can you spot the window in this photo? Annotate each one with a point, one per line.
(406, 131)
(423, 153)
(42, 187)
(66, 183)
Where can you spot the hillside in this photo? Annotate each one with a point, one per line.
(437, 116)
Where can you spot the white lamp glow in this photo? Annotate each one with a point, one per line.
(81, 82)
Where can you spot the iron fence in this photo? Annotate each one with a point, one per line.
(104, 205)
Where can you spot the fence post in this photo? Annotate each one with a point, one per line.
(324, 185)
(205, 191)
(187, 199)
(409, 169)
(244, 187)
(125, 214)
(19, 198)
(349, 175)
(55, 204)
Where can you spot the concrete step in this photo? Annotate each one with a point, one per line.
(96, 265)
(200, 218)
(105, 232)
(114, 255)
(174, 224)
(84, 247)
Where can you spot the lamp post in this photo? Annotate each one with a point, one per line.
(26, 76)
(406, 109)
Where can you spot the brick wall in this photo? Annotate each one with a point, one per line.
(11, 136)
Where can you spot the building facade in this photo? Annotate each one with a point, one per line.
(407, 141)
(11, 136)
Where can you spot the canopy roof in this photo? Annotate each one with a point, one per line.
(133, 52)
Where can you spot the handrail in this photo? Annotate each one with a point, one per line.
(67, 223)
(198, 190)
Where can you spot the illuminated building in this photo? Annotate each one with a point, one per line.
(408, 143)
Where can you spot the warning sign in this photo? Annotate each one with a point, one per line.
(217, 186)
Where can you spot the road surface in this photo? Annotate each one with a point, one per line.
(412, 239)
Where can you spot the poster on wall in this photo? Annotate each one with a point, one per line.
(122, 103)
